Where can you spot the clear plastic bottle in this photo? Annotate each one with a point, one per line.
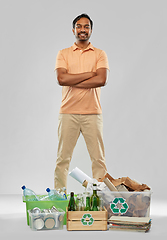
(44, 198)
(62, 192)
(29, 195)
(54, 195)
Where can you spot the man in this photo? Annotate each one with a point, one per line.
(81, 69)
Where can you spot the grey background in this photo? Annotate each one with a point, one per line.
(134, 102)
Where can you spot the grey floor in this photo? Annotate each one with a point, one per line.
(13, 224)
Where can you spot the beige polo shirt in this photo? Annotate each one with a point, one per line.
(74, 60)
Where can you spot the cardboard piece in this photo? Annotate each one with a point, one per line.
(130, 184)
(141, 224)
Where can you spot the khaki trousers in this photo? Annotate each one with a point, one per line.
(69, 128)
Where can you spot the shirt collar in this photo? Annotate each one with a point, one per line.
(75, 47)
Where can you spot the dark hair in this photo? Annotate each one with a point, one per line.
(84, 15)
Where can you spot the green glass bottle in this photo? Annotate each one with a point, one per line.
(87, 208)
(71, 204)
(94, 204)
(94, 194)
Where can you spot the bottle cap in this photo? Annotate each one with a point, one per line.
(85, 183)
(48, 189)
(23, 187)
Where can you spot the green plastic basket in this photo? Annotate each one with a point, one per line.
(46, 205)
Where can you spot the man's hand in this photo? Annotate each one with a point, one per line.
(99, 80)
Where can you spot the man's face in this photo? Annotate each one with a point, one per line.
(82, 30)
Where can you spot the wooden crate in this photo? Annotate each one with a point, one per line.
(87, 220)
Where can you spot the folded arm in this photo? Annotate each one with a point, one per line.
(67, 79)
(83, 80)
(99, 80)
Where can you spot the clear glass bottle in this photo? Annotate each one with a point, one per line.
(80, 202)
(101, 203)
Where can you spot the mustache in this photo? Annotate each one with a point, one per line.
(82, 33)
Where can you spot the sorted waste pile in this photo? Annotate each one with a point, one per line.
(119, 204)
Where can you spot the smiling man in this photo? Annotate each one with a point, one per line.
(82, 70)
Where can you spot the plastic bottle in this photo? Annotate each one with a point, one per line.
(62, 192)
(29, 194)
(44, 198)
(54, 195)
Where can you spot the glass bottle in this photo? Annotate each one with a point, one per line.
(87, 208)
(101, 203)
(79, 202)
(94, 204)
(71, 204)
(94, 194)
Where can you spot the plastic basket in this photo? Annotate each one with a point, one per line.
(62, 204)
